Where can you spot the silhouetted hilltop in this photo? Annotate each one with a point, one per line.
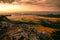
(4, 18)
(51, 15)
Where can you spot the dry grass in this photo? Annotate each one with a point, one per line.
(27, 18)
(31, 18)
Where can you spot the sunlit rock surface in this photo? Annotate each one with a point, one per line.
(11, 31)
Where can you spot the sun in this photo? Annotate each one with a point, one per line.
(12, 8)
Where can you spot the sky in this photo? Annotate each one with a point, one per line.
(29, 5)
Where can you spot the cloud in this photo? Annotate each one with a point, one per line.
(50, 3)
(7, 1)
(44, 3)
(35, 2)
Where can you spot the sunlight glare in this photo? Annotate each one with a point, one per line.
(11, 8)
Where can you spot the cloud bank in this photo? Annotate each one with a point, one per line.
(39, 4)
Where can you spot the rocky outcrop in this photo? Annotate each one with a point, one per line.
(10, 31)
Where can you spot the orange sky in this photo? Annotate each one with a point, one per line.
(17, 8)
(23, 6)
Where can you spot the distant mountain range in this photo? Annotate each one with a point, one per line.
(45, 14)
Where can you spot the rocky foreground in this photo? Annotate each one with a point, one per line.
(23, 32)
(12, 31)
